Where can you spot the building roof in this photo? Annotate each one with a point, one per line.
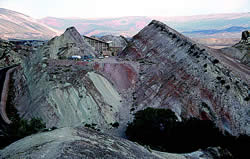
(115, 47)
(95, 39)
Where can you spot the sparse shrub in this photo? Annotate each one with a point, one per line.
(132, 109)
(227, 87)
(91, 126)
(115, 125)
(20, 129)
(218, 78)
(247, 98)
(62, 57)
(195, 54)
(215, 61)
(192, 46)
(24, 128)
(222, 82)
(87, 125)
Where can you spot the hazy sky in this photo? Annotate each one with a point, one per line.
(117, 8)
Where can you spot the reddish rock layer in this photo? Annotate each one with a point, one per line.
(190, 79)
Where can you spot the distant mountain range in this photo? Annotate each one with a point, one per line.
(14, 25)
(200, 26)
(20, 26)
(216, 32)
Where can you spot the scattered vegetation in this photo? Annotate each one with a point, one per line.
(218, 78)
(92, 126)
(215, 61)
(195, 54)
(192, 46)
(174, 36)
(132, 109)
(160, 129)
(115, 125)
(20, 129)
(222, 82)
(24, 128)
(227, 87)
(247, 98)
(62, 57)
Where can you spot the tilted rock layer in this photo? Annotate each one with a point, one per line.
(190, 79)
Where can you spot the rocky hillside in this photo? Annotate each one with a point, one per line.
(68, 44)
(69, 92)
(159, 68)
(244, 47)
(240, 50)
(14, 25)
(190, 79)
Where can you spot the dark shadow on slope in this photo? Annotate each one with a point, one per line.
(160, 129)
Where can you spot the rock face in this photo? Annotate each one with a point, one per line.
(245, 35)
(68, 44)
(188, 78)
(241, 50)
(78, 143)
(244, 47)
(68, 92)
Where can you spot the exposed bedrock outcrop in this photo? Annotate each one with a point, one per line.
(68, 92)
(68, 98)
(239, 51)
(190, 79)
(78, 143)
(68, 44)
